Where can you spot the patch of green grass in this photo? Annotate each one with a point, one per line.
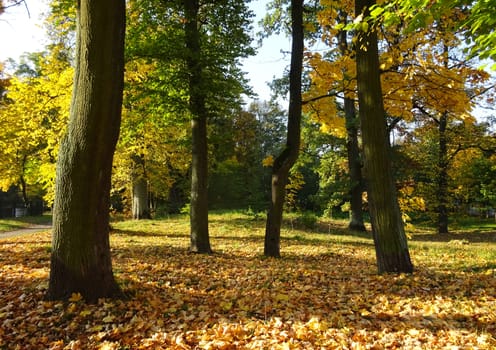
(468, 223)
(11, 224)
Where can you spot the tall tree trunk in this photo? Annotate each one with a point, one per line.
(200, 241)
(442, 165)
(288, 157)
(140, 204)
(387, 226)
(352, 147)
(355, 167)
(442, 177)
(80, 259)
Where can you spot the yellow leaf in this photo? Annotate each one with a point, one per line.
(365, 312)
(268, 161)
(71, 308)
(75, 297)
(96, 328)
(85, 313)
(108, 319)
(226, 305)
(282, 297)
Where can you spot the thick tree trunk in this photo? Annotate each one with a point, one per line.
(140, 204)
(387, 226)
(80, 259)
(352, 147)
(442, 178)
(200, 241)
(287, 158)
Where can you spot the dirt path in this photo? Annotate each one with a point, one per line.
(25, 231)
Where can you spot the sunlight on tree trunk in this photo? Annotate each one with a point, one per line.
(80, 260)
(387, 225)
(140, 205)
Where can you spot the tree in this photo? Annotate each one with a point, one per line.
(34, 113)
(196, 47)
(9, 3)
(481, 24)
(140, 204)
(352, 143)
(478, 25)
(416, 80)
(80, 259)
(285, 160)
(331, 98)
(446, 98)
(387, 226)
(200, 242)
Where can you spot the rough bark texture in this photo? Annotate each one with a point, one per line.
(80, 259)
(140, 205)
(200, 241)
(387, 226)
(288, 157)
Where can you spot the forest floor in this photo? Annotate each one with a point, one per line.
(324, 293)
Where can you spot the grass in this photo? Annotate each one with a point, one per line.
(323, 293)
(12, 224)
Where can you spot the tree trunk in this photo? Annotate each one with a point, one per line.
(387, 226)
(352, 147)
(80, 259)
(140, 205)
(355, 167)
(24, 186)
(200, 241)
(287, 158)
(442, 165)
(442, 177)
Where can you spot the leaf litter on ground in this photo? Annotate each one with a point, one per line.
(323, 293)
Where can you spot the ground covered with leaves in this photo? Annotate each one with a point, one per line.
(323, 293)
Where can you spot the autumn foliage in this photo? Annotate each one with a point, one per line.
(324, 293)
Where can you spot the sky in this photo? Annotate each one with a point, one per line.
(21, 31)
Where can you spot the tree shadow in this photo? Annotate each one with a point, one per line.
(132, 233)
(457, 236)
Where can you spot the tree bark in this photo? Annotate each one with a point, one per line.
(80, 259)
(200, 241)
(288, 157)
(355, 167)
(443, 164)
(387, 226)
(442, 177)
(140, 205)
(352, 147)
